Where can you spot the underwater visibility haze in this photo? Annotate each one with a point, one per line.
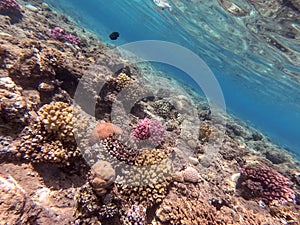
(150, 112)
(253, 50)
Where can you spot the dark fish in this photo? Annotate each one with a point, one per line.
(114, 35)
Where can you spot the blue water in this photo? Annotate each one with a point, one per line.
(250, 73)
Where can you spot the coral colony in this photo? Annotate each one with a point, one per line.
(265, 183)
(87, 170)
(9, 5)
(12, 9)
(60, 34)
(150, 130)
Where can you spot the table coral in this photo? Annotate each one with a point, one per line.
(266, 184)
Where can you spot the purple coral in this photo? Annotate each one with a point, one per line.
(9, 5)
(12, 9)
(266, 184)
(60, 34)
(150, 130)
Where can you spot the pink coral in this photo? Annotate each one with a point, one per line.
(12, 9)
(265, 183)
(9, 5)
(150, 130)
(59, 34)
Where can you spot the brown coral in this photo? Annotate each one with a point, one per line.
(13, 106)
(102, 177)
(204, 133)
(146, 184)
(177, 210)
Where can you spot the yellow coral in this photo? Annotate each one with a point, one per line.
(122, 81)
(57, 119)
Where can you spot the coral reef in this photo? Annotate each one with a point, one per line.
(102, 177)
(134, 215)
(265, 183)
(12, 9)
(147, 183)
(177, 210)
(60, 34)
(118, 150)
(50, 137)
(13, 106)
(122, 81)
(150, 130)
(57, 120)
(127, 183)
(189, 174)
(204, 133)
(104, 130)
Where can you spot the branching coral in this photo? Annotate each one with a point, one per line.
(57, 119)
(150, 130)
(122, 81)
(50, 137)
(134, 215)
(265, 183)
(204, 133)
(60, 34)
(147, 183)
(118, 150)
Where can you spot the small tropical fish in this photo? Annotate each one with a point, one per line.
(163, 4)
(114, 35)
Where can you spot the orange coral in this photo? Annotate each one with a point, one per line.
(104, 130)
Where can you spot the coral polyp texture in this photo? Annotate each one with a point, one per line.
(50, 137)
(57, 120)
(122, 81)
(149, 130)
(13, 106)
(134, 215)
(60, 34)
(177, 210)
(265, 183)
(11, 8)
(102, 177)
(104, 130)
